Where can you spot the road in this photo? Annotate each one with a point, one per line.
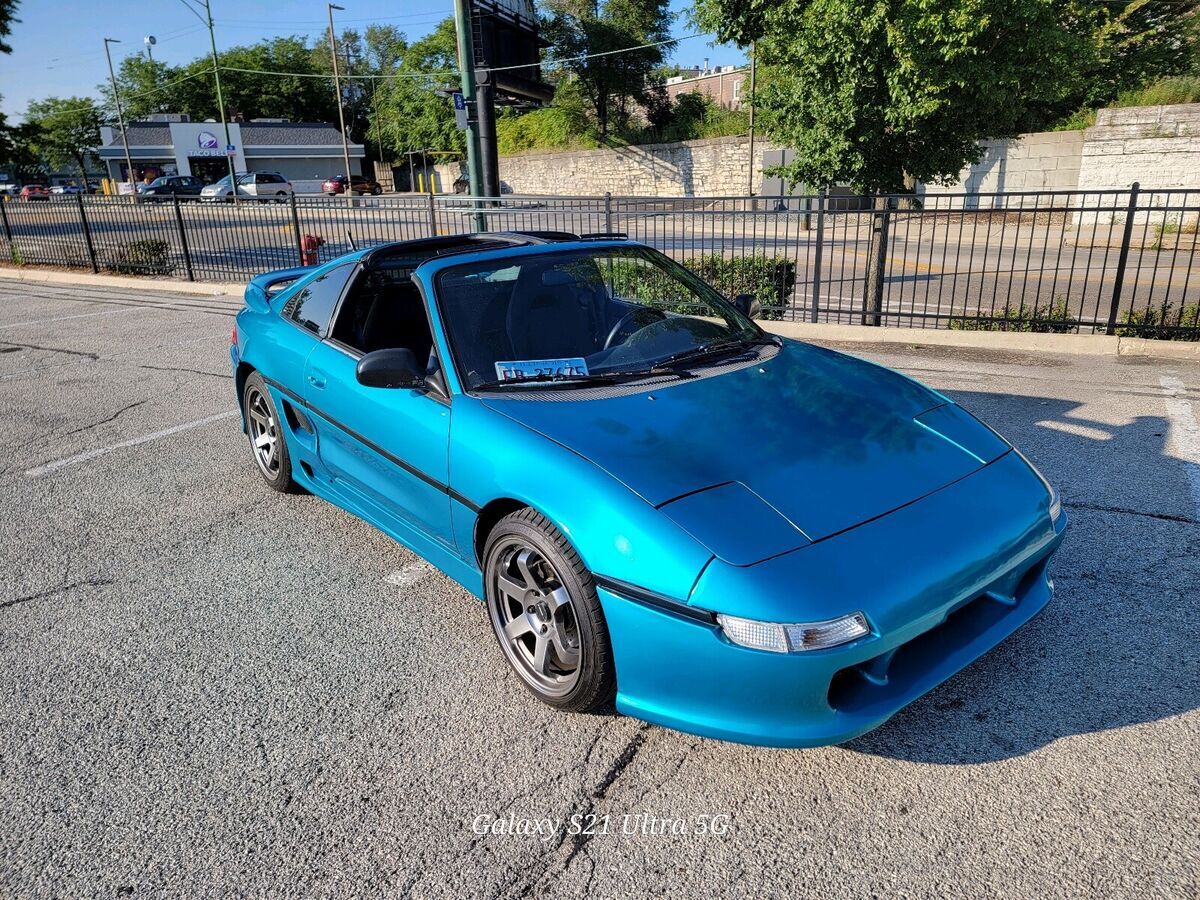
(938, 264)
(210, 690)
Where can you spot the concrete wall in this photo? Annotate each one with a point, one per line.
(1157, 146)
(707, 168)
(1042, 161)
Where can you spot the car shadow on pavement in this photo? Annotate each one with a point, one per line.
(1116, 646)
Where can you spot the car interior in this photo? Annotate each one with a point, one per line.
(383, 310)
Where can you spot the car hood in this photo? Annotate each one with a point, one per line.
(773, 455)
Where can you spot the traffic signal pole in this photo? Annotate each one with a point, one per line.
(466, 68)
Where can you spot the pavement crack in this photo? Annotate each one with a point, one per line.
(1125, 511)
(188, 371)
(579, 811)
(55, 591)
(107, 419)
(85, 353)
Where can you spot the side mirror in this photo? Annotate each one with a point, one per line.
(748, 305)
(390, 369)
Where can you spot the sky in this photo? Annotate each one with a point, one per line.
(58, 46)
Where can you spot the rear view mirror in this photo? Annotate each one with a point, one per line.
(390, 369)
(748, 305)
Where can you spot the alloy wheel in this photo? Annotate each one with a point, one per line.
(534, 618)
(264, 434)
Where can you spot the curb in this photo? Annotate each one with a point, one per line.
(41, 276)
(1078, 344)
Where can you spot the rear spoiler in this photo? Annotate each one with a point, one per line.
(259, 290)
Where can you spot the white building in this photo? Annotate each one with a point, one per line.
(306, 153)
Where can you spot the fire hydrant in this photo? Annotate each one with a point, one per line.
(308, 248)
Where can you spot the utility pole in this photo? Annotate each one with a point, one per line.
(207, 21)
(120, 118)
(466, 68)
(753, 72)
(337, 87)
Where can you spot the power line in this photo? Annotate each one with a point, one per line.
(452, 72)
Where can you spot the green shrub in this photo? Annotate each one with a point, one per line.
(1159, 322)
(770, 279)
(150, 256)
(1055, 318)
(1164, 92)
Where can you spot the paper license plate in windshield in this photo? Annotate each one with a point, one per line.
(521, 369)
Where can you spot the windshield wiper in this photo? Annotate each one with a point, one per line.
(719, 348)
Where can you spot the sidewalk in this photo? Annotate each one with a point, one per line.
(1085, 344)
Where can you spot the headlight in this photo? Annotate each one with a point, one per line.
(795, 637)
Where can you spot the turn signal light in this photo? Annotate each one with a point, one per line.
(795, 637)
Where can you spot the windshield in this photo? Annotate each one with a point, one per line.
(159, 182)
(222, 183)
(584, 315)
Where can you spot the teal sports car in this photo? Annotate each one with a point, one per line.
(661, 506)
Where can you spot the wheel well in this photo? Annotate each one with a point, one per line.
(243, 372)
(492, 513)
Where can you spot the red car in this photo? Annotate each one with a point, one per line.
(360, 184)
(34, 192)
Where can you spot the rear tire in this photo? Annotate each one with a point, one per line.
(264, 428)
(546, 616)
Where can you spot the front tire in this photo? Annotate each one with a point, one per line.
(264, 429)
(546, 616)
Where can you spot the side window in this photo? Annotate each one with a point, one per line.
(312, 306)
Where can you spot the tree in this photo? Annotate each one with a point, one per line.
(145, 87)
(377, 51)
(410, 115)
(250, 81)
(64, 130)
(871, 93)
(8, 9)
(1131, 45)
(613, 83)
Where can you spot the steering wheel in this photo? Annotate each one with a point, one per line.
(654, 315)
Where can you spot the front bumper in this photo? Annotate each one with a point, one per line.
(942, 581)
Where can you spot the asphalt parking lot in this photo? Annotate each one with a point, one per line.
(210, 690)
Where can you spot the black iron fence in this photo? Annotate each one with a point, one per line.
(1115, 261)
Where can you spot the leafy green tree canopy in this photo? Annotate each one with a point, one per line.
(63, 130)
(869, 93)
(613, 84)
(8, 9)
(410, 115)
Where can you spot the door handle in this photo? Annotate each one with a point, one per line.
(316, 379)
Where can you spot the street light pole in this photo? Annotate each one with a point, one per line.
(120, 116)
(207, 20)
(753, 72)
(337, 88)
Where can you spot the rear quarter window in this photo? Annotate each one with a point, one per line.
(312, 306)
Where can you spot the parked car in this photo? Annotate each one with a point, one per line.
(359, 184)
(172, 186)
(34, 192)
(8, 189)
(262, 186)
(660, 504)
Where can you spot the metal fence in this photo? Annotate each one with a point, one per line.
(1115, 261)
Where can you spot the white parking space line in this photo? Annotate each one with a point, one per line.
(1185, 432)
(88, 455)
(107, 312)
